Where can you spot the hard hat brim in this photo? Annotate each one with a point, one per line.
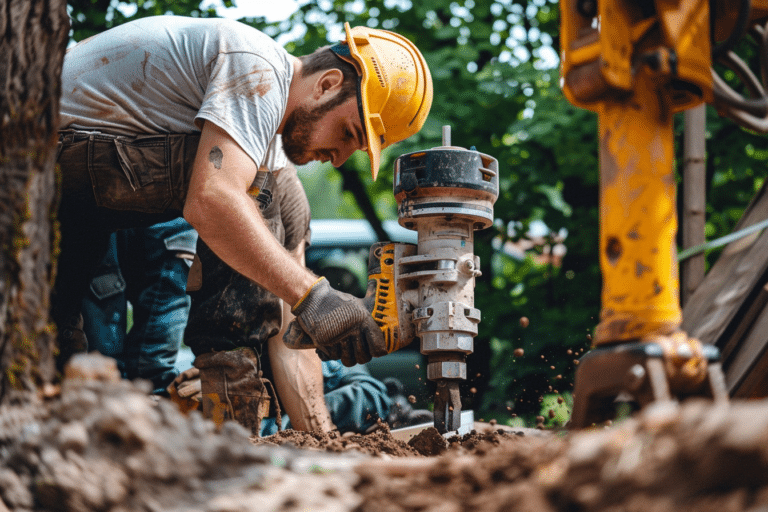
(373, 141)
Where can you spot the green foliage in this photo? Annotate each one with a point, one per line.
(89, 17)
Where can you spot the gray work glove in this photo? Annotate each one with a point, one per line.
(339, 325)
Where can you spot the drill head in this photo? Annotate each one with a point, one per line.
(447, 406)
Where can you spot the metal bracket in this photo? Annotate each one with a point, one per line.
(636, 370)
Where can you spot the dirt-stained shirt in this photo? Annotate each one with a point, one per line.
(167, 74)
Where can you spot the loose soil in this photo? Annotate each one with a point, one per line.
(102, 444)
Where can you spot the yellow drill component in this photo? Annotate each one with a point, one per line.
(381, 279)
(637, 220)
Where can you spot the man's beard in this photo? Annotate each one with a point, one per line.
(298, 130)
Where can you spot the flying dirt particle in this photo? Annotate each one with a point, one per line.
(558, 376)
(524, 322)
(514, 415)
(559, 399)
(478, 375)
(417, 366)
(589, 337)
(492, 422)
(473, 391)
(412, 399)
(509, 408)
(551, 367)
(519, 352)
(576, 362)
(569, 352)
(539, 419)
(551, 413)
(541, 399)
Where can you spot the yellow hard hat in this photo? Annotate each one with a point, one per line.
(395, 92)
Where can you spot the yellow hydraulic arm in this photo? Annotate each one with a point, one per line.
(636, 63)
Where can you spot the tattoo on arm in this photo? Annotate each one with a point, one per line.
(215, 157)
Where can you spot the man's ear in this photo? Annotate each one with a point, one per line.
(329, 81)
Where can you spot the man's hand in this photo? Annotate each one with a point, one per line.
(339, 325)
(185, 390)
(187, 384)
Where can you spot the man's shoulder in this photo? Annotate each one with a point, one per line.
(229, 35)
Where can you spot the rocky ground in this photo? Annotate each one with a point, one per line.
(102, 444)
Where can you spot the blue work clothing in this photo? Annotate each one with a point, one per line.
(354, 398)
(147, 267)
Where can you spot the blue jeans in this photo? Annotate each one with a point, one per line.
(147, 267)
(354, 398)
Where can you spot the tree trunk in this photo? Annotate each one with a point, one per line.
(33, 37)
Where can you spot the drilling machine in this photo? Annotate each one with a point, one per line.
(426, 290)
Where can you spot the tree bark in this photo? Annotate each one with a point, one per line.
(33, 37)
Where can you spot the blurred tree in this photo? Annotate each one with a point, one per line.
(32, 42)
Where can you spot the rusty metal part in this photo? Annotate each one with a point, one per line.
(636, 372)
(684, 362)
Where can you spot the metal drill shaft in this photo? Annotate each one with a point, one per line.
(447, 406)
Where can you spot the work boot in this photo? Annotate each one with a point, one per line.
(232, 388)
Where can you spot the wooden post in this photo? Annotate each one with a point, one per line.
(694, 199)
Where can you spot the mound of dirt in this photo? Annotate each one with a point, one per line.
(695, 457)
(103, 444)
(378, 443)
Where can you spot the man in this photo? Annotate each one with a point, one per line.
(171, 115)
(148, 266)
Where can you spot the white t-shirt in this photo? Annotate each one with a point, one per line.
(166, 74)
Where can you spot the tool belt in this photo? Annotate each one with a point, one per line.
(145, 173)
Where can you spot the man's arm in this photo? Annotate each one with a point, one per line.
(229, 222)
(227, 219)
(299, 377)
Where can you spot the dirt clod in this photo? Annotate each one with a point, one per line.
(429, 442)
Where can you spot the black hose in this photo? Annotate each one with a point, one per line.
(720, 49)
